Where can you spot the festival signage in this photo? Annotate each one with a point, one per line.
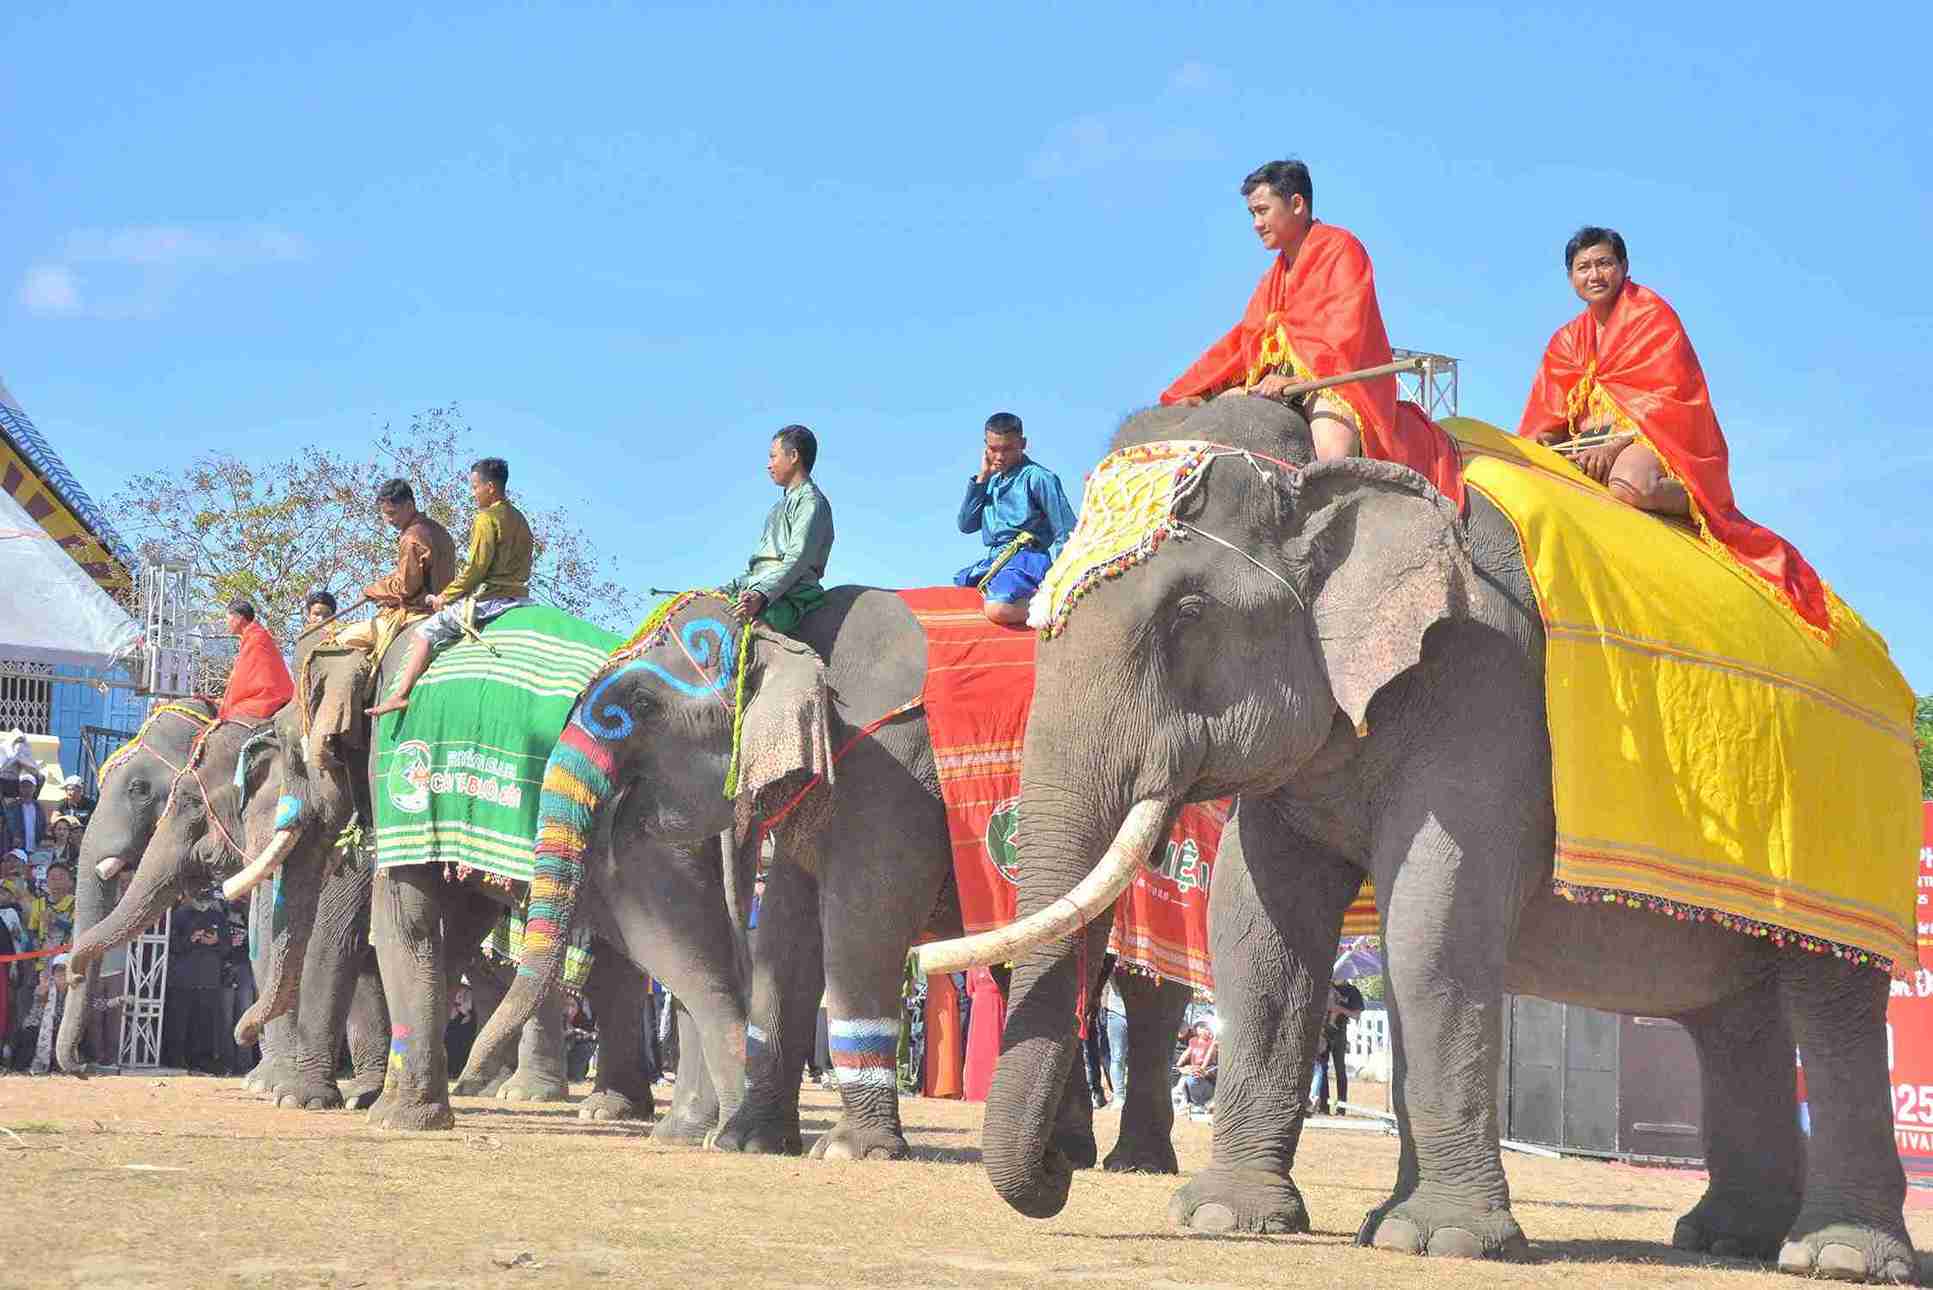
(1909, 1031)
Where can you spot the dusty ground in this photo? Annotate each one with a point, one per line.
(189, 1181)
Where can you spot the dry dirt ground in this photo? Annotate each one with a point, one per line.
(188, 1181)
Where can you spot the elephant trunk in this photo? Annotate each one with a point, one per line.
(1041, 1042)
(93, 896)
(155, 891)
(577, 784)
(293, 922)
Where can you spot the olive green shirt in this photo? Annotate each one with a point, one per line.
(793, 549)
(500, 555)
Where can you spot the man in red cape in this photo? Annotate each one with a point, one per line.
(1624, 371)
(1315, 315)
(259, 683)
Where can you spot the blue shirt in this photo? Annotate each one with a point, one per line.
(1026, 499)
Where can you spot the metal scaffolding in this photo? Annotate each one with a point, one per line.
(1430, 384)
(146, 980)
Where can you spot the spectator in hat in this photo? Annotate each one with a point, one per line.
(74, 800)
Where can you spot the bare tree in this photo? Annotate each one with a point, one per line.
(271, 531)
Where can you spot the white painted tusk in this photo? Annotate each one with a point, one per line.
(109, 868)
(1092, 896)
(260, 867)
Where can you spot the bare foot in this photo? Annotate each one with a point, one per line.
(387, 705)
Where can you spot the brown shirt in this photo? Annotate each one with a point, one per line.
(425, 561)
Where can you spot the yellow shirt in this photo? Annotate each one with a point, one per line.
(500, 554)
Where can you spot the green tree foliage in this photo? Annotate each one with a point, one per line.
(271, 531)
(1923, 731)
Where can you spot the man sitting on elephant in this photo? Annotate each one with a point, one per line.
(1622, 381)
(1315, 315)
(1020, 511)
(495, 579)
(782, 581)
(425, 560)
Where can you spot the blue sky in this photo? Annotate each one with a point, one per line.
(633, 241)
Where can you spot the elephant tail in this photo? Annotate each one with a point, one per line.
(577, 782)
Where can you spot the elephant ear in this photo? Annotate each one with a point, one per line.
(1387, 559)
(786, 723)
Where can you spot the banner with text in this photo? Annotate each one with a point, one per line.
(1909, 1032)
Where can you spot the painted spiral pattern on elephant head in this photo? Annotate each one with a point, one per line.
(577, 778)
(706, 643)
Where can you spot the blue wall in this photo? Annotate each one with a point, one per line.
(75, 706)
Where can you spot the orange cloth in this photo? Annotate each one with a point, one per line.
(945, 1051)
(1319, 318)
(1640, 371)
(259, 683)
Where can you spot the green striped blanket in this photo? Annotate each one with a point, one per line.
(458, 771)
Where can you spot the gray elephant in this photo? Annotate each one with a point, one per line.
(424, 926)
(1365, 670)
(864, 856)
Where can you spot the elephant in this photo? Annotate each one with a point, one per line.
(1363, 667)
(864, 861)
(423, 926)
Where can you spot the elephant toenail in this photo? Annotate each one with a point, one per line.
(1455, 1243)
(1842, 1262)
(1898, 1272)
(1398, 1234)
(1795, 1256)
(1212, 1217)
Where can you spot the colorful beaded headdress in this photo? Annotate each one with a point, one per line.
(1127, 512)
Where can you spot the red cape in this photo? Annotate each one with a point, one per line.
(1642, 363)
(259, 683)
(1320, 318)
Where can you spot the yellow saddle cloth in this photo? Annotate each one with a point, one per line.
(1710, 758)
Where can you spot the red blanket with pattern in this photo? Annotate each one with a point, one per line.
(979, 688)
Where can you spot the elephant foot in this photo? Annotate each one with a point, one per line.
(1850, 1251)
(482, 1086)
(1239, 1200)
(1139, 1154)
(683, 1131)
(392, 1112)
(609, 1104)
(1736, 1225)
(1078, 1146)
(269, 1075)
(309, 1095)
(848, 1141)
(1443, 1227)
(523, 1087)
(361, 1092)
(760, 1135)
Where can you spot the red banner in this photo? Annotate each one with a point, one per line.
(1909, 1033)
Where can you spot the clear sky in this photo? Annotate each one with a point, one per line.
(632, 241)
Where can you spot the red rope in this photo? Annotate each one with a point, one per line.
(870, 728)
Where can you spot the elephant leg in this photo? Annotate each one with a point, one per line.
(541, 1076)
(1752, 1148)
(616, 991)
(407, 925)
(329, 977)
(694, 1110)
(1851, 1224)
(788, 979)
(1274, 919)
(368, 1035)
(1154, 1009)
(1446, 1027)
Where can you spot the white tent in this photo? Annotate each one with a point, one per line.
(50, 610)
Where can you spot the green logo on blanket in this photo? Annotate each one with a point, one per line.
(1181, 864)
(1003, 837)
(409, 777)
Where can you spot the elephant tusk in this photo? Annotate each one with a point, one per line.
(108, 869)
(261, 867)
(1091, 897)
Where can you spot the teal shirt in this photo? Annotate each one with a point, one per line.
(793, 550)
(1026, 499)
